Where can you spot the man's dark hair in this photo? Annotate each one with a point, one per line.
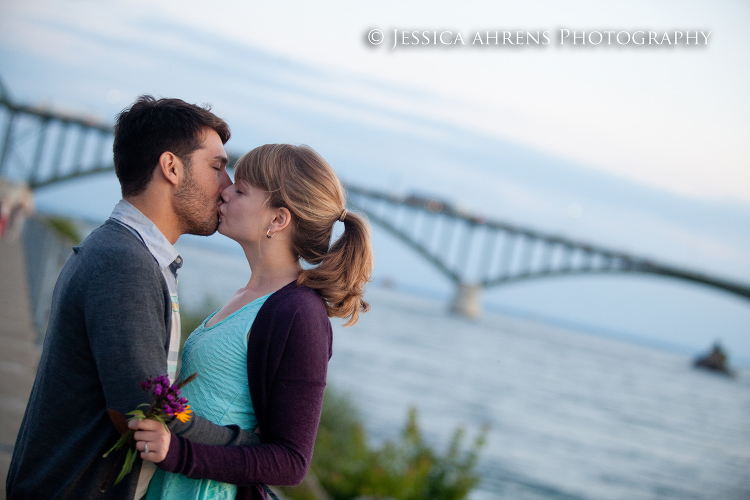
(151, 127)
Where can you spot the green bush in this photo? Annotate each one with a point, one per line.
(66, 228)
(408, 469)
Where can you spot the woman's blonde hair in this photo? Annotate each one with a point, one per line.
(298, 178)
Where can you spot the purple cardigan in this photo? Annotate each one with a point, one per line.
(288, 351)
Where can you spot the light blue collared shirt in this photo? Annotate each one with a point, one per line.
(158, 244)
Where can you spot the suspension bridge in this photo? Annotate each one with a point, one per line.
(42, 147)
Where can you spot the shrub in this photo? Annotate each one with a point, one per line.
(408, 469)
(65, 228)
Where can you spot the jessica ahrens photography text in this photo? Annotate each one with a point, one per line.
(561, 37)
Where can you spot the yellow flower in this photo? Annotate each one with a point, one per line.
(184, 415)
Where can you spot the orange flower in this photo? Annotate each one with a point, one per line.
(184, 415)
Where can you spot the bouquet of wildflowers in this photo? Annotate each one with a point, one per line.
(167, 405)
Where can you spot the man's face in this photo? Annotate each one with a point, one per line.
(198, 197)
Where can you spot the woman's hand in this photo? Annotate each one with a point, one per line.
(152, 439)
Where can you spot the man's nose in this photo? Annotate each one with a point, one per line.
(226, 181)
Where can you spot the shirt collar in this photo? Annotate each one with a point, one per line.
(163, 251)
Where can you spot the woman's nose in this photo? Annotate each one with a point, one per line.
(226, 193)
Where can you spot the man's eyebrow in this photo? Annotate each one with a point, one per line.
(223, 158)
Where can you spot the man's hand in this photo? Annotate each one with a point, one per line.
(152, 439)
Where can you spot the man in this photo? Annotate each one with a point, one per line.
(115, 316)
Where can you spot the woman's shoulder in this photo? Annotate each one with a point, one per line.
(294, 299)
(298, 315)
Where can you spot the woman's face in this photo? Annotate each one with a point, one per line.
(245, 217)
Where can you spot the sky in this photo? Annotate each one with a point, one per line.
(640, 148)
(601, 106)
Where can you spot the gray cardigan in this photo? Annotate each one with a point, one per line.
(108, 330)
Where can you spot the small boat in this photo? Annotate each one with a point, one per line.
(715, 361)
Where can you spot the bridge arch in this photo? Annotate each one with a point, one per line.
(42, 147)
(508, 253)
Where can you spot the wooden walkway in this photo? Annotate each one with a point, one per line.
(19, 354)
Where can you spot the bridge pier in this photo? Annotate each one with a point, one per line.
(468, 300)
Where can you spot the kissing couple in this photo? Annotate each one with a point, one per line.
(261, 358)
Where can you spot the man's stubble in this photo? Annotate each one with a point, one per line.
(195, 209)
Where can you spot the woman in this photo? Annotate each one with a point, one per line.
(262, 357)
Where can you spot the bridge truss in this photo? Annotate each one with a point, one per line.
(42, 147)
(476, 253)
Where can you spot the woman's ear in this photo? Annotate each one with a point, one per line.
(170, 167)
(282, 218)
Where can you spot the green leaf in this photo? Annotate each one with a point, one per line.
(124, 439)
(137, 414)
(161, 419)
(128, 465)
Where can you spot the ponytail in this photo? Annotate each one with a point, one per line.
(344, 271)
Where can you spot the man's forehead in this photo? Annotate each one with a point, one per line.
(211, 144)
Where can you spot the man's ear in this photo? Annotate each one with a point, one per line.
(171, 167)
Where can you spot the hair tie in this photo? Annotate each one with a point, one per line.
(343, 215)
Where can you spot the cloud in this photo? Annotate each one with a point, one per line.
(673, 120)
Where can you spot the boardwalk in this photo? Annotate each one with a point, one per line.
(19, 354)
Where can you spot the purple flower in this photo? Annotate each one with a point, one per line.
(167, 400)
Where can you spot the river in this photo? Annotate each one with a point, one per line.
(572, 415)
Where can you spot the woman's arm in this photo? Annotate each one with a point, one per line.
(289, 413)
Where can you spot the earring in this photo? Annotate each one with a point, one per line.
(268, 235)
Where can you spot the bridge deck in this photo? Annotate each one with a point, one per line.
(19, 355)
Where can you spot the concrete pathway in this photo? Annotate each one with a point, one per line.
(19, 354)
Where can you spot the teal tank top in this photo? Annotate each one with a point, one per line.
(220, 393)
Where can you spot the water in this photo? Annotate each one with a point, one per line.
(572, 416)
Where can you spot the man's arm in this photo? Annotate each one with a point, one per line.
(127, 312)
(202, 430)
